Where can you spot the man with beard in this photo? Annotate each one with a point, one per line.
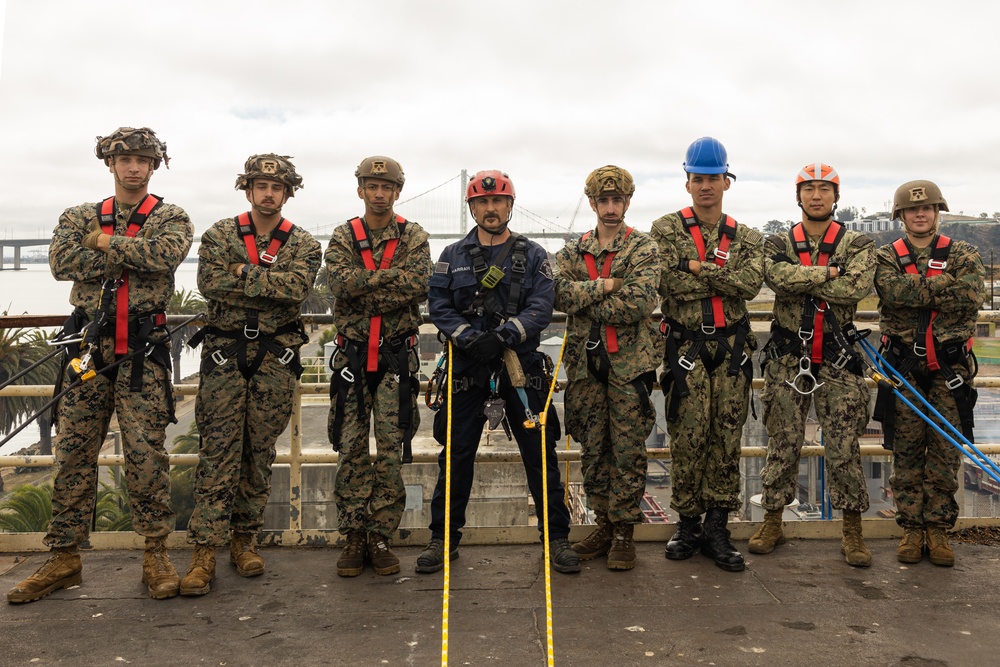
(491, 295)
(255, 270)
(606, 284)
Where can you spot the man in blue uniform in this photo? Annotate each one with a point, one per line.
(491, 294)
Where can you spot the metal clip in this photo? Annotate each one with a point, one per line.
(218, 358)
(805, 336)
(346, 373)
(805, 372)
(841, 360)
(247, 331)
(708, 329)
(919, 350)
(937, 264)
(722, 254)
(287, 356)
(593, 344)
(267, 258)
(685, 363)
(954, 383)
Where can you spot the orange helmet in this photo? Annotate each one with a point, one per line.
(490, 182)
(817, 172)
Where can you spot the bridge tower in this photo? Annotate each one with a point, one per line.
(464, 218)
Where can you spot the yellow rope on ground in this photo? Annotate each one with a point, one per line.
(543, 422)
(447, 523)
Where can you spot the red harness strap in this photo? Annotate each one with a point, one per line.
(721, 254)
(935, 267)
(135, 223)
(611, 330)
(360, 232)
(826, 248)
(278, 238)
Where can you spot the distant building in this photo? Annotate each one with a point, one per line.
(880, 222)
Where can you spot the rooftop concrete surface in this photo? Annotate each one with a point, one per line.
(801, 605)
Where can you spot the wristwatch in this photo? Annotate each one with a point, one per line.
(245, 271)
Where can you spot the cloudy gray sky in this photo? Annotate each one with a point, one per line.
(884, 91)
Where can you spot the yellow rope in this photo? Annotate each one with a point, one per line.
(543, 421)
(447, 523)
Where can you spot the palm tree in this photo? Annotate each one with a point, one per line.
(27, 510)
(182, 477)
(113, 511)
(19, 349)
(183, 302)
(320, 300)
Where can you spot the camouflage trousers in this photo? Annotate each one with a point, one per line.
(239, 422)
(84, 415)
(705, 439)
(608, 422)
(924, 465)
(842, 409)
(369, 492)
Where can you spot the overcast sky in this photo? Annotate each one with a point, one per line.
(884, 91)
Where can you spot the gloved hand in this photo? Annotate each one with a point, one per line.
(90, 240)
(486, 347)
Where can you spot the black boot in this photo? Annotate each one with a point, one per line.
(716, 545)
(686, 540)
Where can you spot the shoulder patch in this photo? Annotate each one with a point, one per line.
(753, 236)
(441, 268)
(861, 240)
(546, 269)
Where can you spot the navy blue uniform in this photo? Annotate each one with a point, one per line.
(453, 288)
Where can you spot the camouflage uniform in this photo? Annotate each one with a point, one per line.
(369, 493)
(611, 420)
(842, 401)
(705, 437)
(240, 419)
(84, 413)
(925, 466)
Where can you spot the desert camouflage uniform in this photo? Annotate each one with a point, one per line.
(369, 493)
(925, 466)
(240, 420)
(85, 412)
(842, 401)
(611, 421)
(705, 438)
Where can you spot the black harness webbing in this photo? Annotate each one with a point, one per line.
(287, 356)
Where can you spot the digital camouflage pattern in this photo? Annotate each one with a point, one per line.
(370, 494)
(608, 420)
(85, 412)
(272, 166)
(925, 466)
(705, 439)
(239, 420)
(131, 141)
(842, 402)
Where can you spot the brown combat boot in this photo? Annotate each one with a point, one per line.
(243, 554)
(911, 547)
(621, 556)
(352, 558)
(383, 560)
(855, 551)
(158, 574)
(62, 570)
(597, 543)
(769, 535)
(937, 544)
(199, 577)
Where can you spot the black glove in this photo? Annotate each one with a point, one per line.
(486, 347)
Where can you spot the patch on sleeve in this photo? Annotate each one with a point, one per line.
(753, 236)
(546, 269)
(441, 267)
(778, 241)
(861, 240)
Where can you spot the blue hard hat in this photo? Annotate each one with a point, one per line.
(706, 156)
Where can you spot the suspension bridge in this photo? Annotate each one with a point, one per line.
(442, 211)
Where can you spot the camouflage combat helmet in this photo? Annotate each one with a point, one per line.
(270, 165)
(917, 193)
(381, 167)
(131, 141)
(609, 180)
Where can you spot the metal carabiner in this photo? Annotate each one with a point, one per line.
(805, 371)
